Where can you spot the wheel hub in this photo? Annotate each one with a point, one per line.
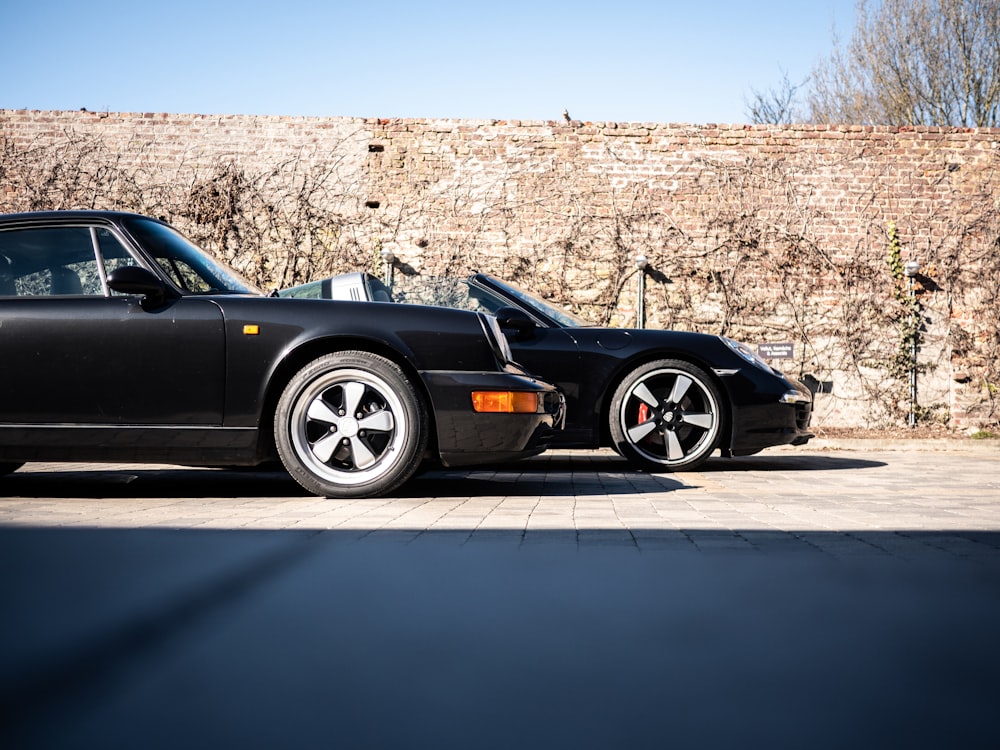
(348, 427)
(666, 417)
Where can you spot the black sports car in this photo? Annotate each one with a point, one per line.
(666, 400)
(122, 341)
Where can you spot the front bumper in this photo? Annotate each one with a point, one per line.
(466, 437)
(777, 414)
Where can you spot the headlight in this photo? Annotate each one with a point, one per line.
(794, 397)
(497, 340)
(748, 354)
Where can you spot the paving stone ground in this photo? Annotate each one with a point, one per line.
(800, 597)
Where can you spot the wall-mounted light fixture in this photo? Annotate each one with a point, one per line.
(389, 260)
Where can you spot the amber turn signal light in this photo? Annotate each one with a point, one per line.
(508, 402)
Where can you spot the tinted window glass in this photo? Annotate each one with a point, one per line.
(42, 261)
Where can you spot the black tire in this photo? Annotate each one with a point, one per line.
(666, 416)
(9, 468)
(350, 424)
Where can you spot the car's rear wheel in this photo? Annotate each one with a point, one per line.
(350, 424)
(666, 416)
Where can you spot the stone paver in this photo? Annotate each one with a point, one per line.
(779, 497)
(798, 598)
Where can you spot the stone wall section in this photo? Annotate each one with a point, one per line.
(764, 233)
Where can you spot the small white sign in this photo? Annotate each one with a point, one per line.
(776, 351)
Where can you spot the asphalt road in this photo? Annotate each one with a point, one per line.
(798, 598)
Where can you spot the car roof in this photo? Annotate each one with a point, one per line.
(38, 240)
(32, 217)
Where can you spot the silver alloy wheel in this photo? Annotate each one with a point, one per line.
(666, 416)
(351, 424)
(348, 426)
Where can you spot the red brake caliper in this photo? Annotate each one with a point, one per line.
(643, 413)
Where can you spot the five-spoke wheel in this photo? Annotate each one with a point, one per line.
(666, 416)
(350, 424)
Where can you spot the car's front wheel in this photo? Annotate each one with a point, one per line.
(350, 424)
(666, 416)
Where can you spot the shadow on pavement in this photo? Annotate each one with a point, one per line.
(141, 482)
(589, 478)
(126, 638)
(788, 462)
(760, 462)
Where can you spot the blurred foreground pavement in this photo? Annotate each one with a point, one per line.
(386, 636)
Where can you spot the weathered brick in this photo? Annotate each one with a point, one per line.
(777, 230)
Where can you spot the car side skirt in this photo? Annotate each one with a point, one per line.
(193, 446)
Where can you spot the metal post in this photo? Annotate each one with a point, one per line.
(640, 309)
(913, 356)
(911, 270)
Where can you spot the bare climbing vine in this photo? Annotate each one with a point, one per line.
(738, 243)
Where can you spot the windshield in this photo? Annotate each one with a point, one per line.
(187, 265)
(464, 294)
(562, 317)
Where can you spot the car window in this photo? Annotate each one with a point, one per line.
(311, 290)
(54, 261)
(113, 254)
(440, 291)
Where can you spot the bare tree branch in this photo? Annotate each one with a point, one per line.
(776, 106)
(913, 62)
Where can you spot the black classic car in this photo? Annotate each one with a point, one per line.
(122, 341)
(666, 400)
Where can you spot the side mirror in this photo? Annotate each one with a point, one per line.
(139, 281)
(517, 320)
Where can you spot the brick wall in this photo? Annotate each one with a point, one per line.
(768, 234)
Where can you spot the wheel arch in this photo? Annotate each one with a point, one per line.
(302, 355)
(647, 356)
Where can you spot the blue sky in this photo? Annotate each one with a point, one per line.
(640, 61)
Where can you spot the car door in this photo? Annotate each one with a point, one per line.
(71, 352)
